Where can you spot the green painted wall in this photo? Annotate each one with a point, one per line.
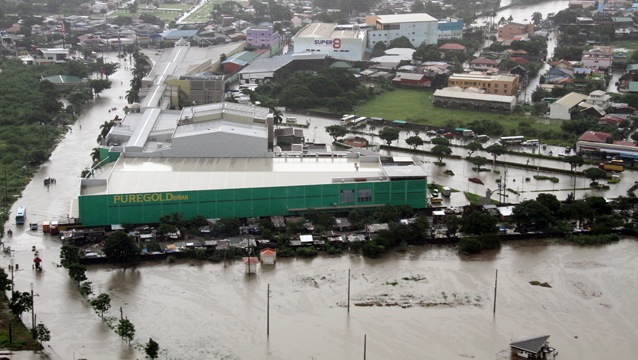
(99, 210)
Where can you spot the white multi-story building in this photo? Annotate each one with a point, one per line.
(418, 28)
(345, 42)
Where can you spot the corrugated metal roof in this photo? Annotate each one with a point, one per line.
(570, 100)
(474, 96)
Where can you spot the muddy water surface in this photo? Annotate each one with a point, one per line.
(427, 303)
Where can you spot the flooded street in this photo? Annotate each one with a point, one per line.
(435, 305)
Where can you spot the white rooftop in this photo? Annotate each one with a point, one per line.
(405, 18)
(146, 175)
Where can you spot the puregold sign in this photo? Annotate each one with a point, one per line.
(148, 198)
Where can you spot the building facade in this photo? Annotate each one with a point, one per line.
(343, 42)
(511, 30)
(261, 37)
(450, 28)
(598, 58)
(418, 28)
(491, 84)
(139, 189)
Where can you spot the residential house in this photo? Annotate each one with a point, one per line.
(512, 29)
(597, 58)
(268, 256)
(260, 37)
(250, 264)
(482, 64)
(595, 136)
(600, 98)
(558, 75)
(561, 109)
(51, 56)
(411, 79)
(610, 120)
(532, 348)
(445, 48)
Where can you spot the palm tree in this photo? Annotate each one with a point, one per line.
(95, 154)
(106, 128)
(132, 96)
(277, 116)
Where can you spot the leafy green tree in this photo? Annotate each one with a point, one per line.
(537, 18)
(490, 241)
(101, 303)
(151, 349)
(389, 134)
(126, 330)
(473, 147)
(336, 131)
(99, 85)
(69, 255)
(401, 42)
(20, 303)
(414, 141)
(441, 141)
(378, 49)
(469, 245)
(417, 7)
(5, 282)
(477, 222)
(42, 333)
(121, 248)
(324, 87)
(496, 150)
(532, 215)
(478, 162)
(440, 151)
(453, 223)
(550, 202)
(77, 272)
(595, 174)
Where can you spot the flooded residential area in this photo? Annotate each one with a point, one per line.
(420, 302)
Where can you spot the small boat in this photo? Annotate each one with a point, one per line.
(476, 181)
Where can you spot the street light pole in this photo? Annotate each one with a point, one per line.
(13, 264)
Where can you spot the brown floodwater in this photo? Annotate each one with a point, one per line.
(424, 304)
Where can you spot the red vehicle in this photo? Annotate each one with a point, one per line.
(449, 135)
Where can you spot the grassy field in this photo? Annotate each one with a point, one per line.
(628, 44)
(160, 14)
(202, 14)
(416, 106)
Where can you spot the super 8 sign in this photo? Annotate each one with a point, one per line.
(336, 43)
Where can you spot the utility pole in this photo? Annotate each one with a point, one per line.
(32, 311)
(348, 291)
(268, 311)
(495, 284)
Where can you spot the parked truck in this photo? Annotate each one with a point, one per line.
(612, 167)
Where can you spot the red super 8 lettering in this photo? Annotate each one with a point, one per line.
(336, 43)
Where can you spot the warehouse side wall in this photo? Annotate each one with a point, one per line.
(101, 210)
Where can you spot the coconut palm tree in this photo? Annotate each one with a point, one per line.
(277, 116)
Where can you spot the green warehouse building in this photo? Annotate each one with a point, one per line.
(222, 160)
(141, 190)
